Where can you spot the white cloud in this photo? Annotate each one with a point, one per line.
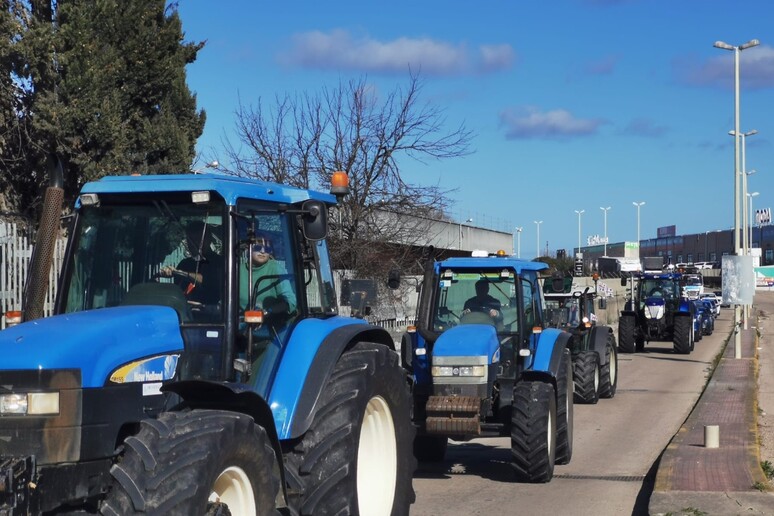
(530, 122)
(339, 50)
(756, 69)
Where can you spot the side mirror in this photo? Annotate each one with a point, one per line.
(315, 220)
(623, 281)
(393, 278)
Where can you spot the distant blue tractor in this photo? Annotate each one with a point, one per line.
(657, 311)
(163, 389)
(484, 363)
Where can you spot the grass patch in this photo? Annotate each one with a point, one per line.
(768, 469)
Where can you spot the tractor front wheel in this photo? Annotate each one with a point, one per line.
(533, 431)
(626, 337)
(683, 338)
(195, 462)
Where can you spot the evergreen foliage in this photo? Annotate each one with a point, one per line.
(102, 84)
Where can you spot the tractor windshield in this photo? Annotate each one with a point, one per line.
(562, 310)
(476, 297)
(133, 251)
(660, 287)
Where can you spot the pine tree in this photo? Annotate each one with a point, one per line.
(106, 89)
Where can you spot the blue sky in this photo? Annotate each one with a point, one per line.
(574, 104)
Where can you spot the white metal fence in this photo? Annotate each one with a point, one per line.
(15, 252)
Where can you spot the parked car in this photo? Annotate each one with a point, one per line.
(716, 301)
(719, 294)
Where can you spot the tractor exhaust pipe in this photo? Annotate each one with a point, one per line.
(36, 285)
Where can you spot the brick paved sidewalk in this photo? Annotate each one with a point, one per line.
(723, 480)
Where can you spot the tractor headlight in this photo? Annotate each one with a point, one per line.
(458, 370)
(32, 404)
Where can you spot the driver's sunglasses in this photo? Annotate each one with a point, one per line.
(263, 247)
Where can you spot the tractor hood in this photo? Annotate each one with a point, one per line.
(468, 340)
(97, 342)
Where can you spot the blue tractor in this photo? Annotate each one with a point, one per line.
(658, 311)
(484, 363)
(178, 378)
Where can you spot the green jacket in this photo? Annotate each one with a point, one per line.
(273, 283)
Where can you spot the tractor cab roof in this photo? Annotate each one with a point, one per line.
(491, 262)
(230, 188)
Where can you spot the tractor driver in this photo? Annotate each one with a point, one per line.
(201, 274)
(483, 302)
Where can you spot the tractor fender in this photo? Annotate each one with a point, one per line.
(598, 342)
(308, 361)
(548, 352)
(235, 397)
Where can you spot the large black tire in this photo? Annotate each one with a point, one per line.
(586, 375)
(564, 409)
(430, 448)
(533, 431)
(178, 461)
(626, 338)
(683, 330)
(357, 456)
(608, 378)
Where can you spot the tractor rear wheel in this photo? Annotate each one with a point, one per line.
(626, 338)
(195, 462)
(356, 457)
(430, 448)
(683, 330)
(586, 376)
(533, 431)
(609, 373)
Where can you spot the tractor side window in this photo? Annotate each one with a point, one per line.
(528, 294)
(320, 291)
(266, 266)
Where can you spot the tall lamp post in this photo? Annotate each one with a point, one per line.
(744, 174)
(579, 228)
(605, 210)
(638, 205)
(750, 196)
(538, 222)
(737, 50)
(459, 236)
(518, 241)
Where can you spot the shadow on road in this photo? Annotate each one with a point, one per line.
(642, 502)
(471, 458)
(661, 353)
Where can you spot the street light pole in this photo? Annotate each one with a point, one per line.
(579, 229)
(743, 174)
(747, 241)
(737, 50)
(538, 222)
(518, 241)
(750, 196)
(459, 236)
(605, 210)
(638, 205)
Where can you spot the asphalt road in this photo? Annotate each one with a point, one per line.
(616, 447)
